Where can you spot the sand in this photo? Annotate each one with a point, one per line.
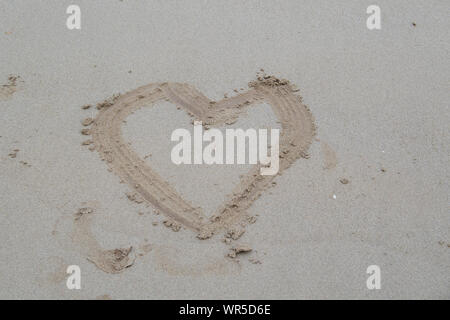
(368, 186)
(298, 131)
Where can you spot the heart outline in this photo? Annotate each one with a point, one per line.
(297, 132)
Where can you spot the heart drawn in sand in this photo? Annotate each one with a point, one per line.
(297, 131)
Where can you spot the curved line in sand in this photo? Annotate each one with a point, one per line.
(297, 131)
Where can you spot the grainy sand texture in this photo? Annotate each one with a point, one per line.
(86, 176)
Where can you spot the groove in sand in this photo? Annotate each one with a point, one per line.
(297, 131)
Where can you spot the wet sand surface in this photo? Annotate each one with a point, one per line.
(368, 185)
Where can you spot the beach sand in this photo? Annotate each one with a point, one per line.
(371, 189)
